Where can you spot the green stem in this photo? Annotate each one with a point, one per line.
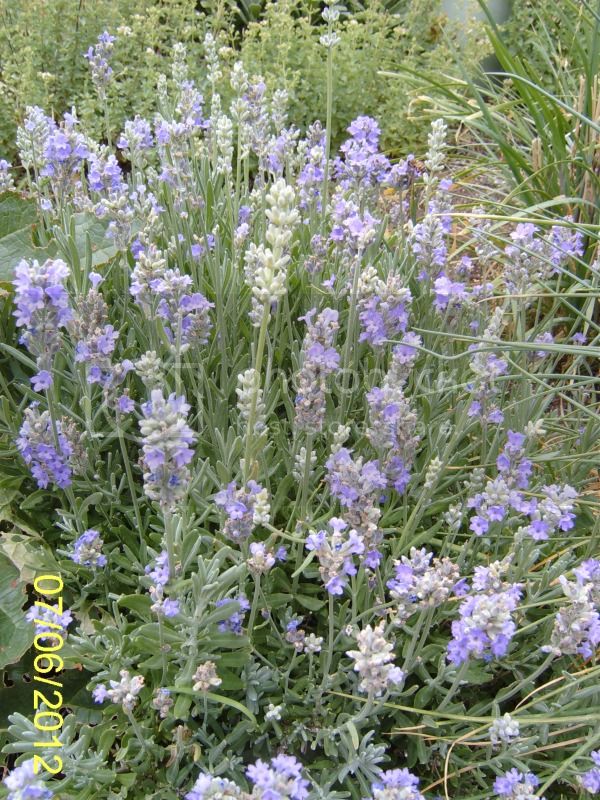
(131, 484)
(260, 349)
(328, 121)
(455, 685)
(169, 541)
(330, 643)
(255, 604)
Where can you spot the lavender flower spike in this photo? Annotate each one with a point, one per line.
(166, 448)
(98, 59)
(52, 455)
(23, 784)
(396, 784)
(319, 360)
(373, 661)
(87, 550)
(515, 785)
(280, 780)
(42, 309)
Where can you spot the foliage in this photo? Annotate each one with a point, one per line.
(285, 44)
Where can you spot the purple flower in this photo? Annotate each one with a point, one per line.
(87, 550)
(553, 512)
(590, 780)
(374, 661)
(448, 292)
(239, 606)
(396, 784)
(98, 56)
(312, 172)
(105, 175)
(485, 627)
(125, 404)
(352, 227)
(136, 137)
(166, 448)
(357, 485)
(335, 551)
(428, 237)
(383, 313)
(576, 627)
(186, 315)
(48, 619)
(41, 381)
(362, 165)
(64, 153)
(99, 693)
(24, 784)
(514, 785)
(279, 780)
(319, 360)
(418, 584)
(42, 310)
(239, 506)
(45, 448)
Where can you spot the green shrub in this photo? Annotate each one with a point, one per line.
(285, 44)
(41, 44)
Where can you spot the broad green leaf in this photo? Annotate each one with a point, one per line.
(16, 212)
(102, 248)
(16, 635)
(18, 245)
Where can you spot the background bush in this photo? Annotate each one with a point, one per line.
(41, 45)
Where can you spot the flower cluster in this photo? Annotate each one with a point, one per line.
(532, 259)
(515, 785)
(393, 424)
(335, 551)
(125, 691)
(420, 583)
(46, 620)
(245, 509)
(590, 780)
(358, 484)
(186, 316)
(553, 512)
(319, 360)
(396, 784)
(233, 622)
(159, 574)
(487, 367)
(42, 309)
(87, 550)
(206, 677)
(486, 625)
(281, 779)
(383, 307)
(49, 447)
(98, 57)
(23, 783)
(374, 661)
(504, 730)
(266, 267)
(166, 448)
(361, 165)
(576, 627)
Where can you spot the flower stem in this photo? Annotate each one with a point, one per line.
(260, 349)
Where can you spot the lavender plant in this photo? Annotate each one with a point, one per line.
(327, 521)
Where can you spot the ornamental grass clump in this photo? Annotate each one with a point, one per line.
(319, 482)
